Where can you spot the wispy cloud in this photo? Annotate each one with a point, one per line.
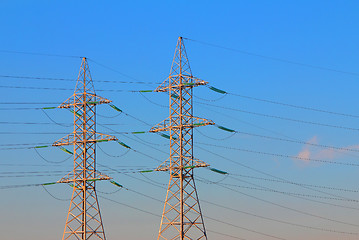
(305, 154)
(309, 151)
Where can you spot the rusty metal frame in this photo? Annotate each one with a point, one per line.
(182, 217)
(84, 218)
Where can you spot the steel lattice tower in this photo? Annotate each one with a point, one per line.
(182, 217)
(84, 217)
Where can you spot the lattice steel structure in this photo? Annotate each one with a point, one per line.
(84, 218)
(182, 217)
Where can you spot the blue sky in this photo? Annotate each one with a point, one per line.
(137, 40)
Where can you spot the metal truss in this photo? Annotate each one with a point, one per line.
(182, 217)
(84, 218)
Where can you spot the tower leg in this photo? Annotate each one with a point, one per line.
(84, 217)
(182, 219)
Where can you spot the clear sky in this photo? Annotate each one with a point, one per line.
(302, 53)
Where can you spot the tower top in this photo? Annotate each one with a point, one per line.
(84, 82)
(181, 73)
(84, 87)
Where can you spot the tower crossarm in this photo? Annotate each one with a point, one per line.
(76, 99)
(167, 125)
(70, 139)
(190, 82)
(196, 163)
(77, 176)
(67, 140)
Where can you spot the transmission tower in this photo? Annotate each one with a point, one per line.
(182, 217)
(84, 218)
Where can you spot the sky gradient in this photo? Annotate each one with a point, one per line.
(303, 54)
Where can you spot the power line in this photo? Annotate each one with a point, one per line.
(306, 187)
(299, 142)
(344, 149)
(148, 182)
(31, 123)
(56, 172)
(271, 131)
(23, 144)
(53, 121)
(114, 116)
(300, 184)
(273, 58)
(112, 69)
(211, 100)
(32, 175)
(294, 106)
(289, 208)
(281, 118)
(277, 220)
(299, 196)
(262, 188)
(267, 174)
(49, 165)
(72, 80)
(305, 226)
(217, 139)
(149, 100)
(53, 196)
(49, 161)
(40, 54)
(33, 172)
(321, 229)
(281, 155)
(47, 123)
(65, 89)
(139, 152)
(152, 143)
(226, 235)
(207, 216)
(114, 156)
(45, 133)
(244, 228)
(51, 173)
(213, 219)
(299, 211)
(26, 165)
(129, 206)
(153, 214)
(21, 103)
(20, 186)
